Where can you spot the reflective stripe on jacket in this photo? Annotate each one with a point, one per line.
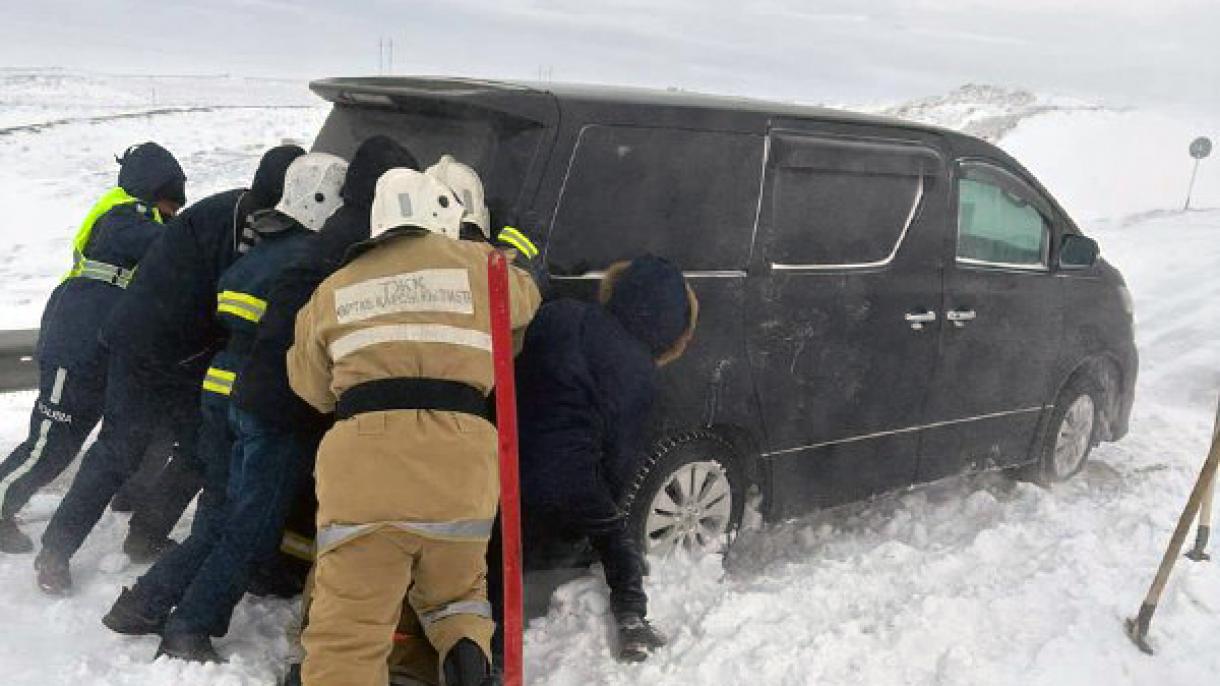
(241, 302)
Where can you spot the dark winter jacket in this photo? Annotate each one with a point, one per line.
(586, 382)
(166, 321)
(263, 387)
(79, 306)
(242, 300)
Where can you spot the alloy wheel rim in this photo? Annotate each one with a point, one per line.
(690, 511)
(1075, 434)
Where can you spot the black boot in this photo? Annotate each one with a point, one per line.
(189, 647)
(127, 616)
(466, 665)
(12, 540)
(142, 550)
(637, 639)
(54, 576)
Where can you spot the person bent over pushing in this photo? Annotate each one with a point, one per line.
(397, 344)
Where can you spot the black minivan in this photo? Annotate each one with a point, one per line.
(882, 303)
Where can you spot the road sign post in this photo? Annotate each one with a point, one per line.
(1200, 148)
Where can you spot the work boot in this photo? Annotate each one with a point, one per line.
(54, 576)
(12, 540)
(637, 639)
(127, 616)
(466, 665)
(189, 647)
(142, 550)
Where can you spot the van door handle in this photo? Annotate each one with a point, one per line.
(961, 318)
(918, 319)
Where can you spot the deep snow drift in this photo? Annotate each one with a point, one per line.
(976, 580)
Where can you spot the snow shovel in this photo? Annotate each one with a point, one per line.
(510, 486)
(1137, 627)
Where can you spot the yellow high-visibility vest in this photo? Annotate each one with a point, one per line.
(82, 266)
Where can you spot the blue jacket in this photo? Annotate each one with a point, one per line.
(242, 301)
(586, 383)
(79, 306)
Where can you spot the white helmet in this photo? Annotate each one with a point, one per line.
(311, 188)
(405, 197)
(466, 184)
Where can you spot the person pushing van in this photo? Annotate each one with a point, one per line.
(397, 343)
(113, 239)
(252, 470)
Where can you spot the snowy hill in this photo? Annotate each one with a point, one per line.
(988, 112)
(970, 581)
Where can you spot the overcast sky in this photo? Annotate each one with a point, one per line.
(1119, 51)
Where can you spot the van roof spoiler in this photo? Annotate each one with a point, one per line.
(505, 99)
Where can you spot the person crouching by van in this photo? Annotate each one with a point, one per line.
(586, 381)
(114, 237)
(397, 344)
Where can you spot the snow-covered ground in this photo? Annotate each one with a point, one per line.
(59, 132)
(974, 580)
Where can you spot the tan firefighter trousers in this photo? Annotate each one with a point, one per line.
(359, 587)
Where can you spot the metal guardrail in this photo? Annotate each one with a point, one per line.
(18, 370)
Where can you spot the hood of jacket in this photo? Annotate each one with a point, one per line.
(268, 184)
(150, 172)
(374, 157)
(651, 299)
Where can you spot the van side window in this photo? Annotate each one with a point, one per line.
(998, 222)
(843, 203)
(688, 196)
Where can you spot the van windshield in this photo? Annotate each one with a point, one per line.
(499, 148)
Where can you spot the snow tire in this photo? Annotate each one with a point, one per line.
(705, 461)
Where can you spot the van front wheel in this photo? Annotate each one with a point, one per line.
(688, 497)
(1072, 431)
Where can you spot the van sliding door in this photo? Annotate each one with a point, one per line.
(690, 197)
(845, 285)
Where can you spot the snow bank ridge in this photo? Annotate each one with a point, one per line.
(986, 111)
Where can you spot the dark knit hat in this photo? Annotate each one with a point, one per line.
(374, 157)
(268, 184)
(649, 299)
(150, 172)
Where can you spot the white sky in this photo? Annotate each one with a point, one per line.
(1120, 51)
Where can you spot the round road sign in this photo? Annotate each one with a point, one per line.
(1201, 147)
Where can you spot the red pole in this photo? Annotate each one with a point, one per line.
(510, 484)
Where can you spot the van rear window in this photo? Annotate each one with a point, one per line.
(688, 196)
(500, 149)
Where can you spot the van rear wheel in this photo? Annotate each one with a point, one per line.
(688, 497)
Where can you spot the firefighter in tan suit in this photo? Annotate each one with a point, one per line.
(397, 343)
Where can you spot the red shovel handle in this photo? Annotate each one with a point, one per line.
(510, 479)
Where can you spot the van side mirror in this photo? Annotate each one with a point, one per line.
(1077, 252)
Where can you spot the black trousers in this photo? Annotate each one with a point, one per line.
(138, 406)
(553, 540)
(550, 539)
(69, 405)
